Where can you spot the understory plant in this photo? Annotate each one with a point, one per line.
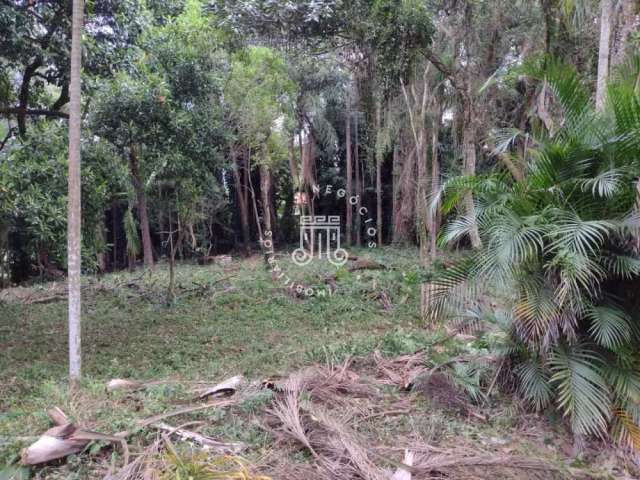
(563, 242)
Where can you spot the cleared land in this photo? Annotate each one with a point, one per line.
(237, 320)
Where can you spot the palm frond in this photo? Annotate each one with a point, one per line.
(534, 383)
(582, 392)
(626, 427)
(609, 326)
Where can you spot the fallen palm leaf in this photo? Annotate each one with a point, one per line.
(57, 442)
(62, 441)
(122, 384)
(228, 387)
(65, 439)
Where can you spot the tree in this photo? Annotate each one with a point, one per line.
(606, 7)
(36, 50)
(74, 234)
(260, 96)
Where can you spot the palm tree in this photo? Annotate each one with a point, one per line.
(563, 239)
(74, 205)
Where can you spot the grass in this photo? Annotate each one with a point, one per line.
(244, 323)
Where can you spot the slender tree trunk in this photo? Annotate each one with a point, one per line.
(293, 164)
(265, 189)
(434, 224)
(114, 235)
(4, 250)
(549, 24)
(74, 202)
(379, 159)
(173, 248)
(469, 158)
(101, 256)
(417, 108)
(134, 165)
(606, 7)
(254, 202)
(348, 206)
(358, 186)
(242, 203)
(423, 219)
(395, 177)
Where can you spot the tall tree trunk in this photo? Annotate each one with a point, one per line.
(249, 186)
(242, 201)
(379, 154)
(134, 165)
(404, 218)
(606, 7)
(265, 189)
(627, 22)
(349, 207)
(395, 180)
(74, 231)
(358, 185)
(423, 219)
(417, 108)
(469, 159)
(434, 218)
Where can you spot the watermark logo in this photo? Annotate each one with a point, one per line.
(320, 237)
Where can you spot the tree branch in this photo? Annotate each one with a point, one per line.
(33, 112)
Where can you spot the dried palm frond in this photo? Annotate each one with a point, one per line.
(337, 386)
(401, 371)
(142, 468)
(287, 410)
(343, 451)
(443, 462)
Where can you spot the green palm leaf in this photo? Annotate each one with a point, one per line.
(582, 392)
(609, 326)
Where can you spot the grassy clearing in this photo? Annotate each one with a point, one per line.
(245, 323)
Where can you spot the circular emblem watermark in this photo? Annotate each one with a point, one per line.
(320, 238)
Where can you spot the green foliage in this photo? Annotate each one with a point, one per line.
(582, 391)
(33, 187)
(398, 30)
(260, 96)
(563, 240)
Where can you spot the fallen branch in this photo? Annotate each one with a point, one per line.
(123, 384)
(207, 443)
(182, 411)
(366, 264)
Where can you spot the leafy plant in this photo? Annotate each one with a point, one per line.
(564, 243)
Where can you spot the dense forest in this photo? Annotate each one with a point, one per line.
(495, 142)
